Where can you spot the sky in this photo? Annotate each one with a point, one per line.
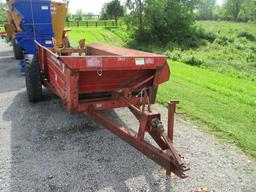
(95, 6)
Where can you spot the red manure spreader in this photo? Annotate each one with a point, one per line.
(97, 77)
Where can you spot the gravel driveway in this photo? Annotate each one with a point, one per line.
(43, 148)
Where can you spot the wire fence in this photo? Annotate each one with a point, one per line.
(89, 23)
(94, 23)
(2, 23)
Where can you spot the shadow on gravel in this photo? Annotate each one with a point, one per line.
(6, 53)
(10, 77)
(52, 150)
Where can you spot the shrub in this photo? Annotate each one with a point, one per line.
(251, 58)
(162, 21)
(202, 34)
(247, 35)
(238, 46)
(209, 36)
(172, 46)
(192, 60)
(175, 55)
(223, 40)
(253, 48)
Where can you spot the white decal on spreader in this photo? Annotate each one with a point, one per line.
(121, 59)
(140, 61)
(44, 7)
(94, 62)
(99, 105)
(149, 61)
(48, 42)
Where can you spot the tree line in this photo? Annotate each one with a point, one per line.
(3, 11)
(231, 10)
(167, 21)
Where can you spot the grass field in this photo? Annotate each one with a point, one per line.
(220, 91)
(112, 36)
(227, 105)
(218, 86)
(227, 47)
(226, 27)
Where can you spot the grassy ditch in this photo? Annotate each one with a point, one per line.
(215, 81)
(227, 105)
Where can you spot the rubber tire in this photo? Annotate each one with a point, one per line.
(17, 51)
(33, 80)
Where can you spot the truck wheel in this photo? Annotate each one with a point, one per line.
(17, 50)
(33, 80)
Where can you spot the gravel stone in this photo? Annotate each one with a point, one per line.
(43, 148)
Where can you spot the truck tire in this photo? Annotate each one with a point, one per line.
(17, 50)
(33, 80)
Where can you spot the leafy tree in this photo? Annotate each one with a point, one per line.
(90, 15)
(136, 8)
(162, 20)
(79, 15)
(248, 11)
(252, 10)
(205, 9)
(114, 10)
(69, 16)
(233, 8)
(173, 21)
(2, 11)
(103, 13)
(219, 12)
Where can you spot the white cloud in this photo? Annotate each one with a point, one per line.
(93, 6)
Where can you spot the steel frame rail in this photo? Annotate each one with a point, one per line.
(165, 154)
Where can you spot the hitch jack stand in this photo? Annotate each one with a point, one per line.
(171, 111)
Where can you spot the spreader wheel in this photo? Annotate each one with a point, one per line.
(17, 50)
(33, 80)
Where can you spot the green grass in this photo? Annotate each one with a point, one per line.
(220, 89)
(228, 48)
(220, 92)
(227, 105)
(227, 27)
(112, 36)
